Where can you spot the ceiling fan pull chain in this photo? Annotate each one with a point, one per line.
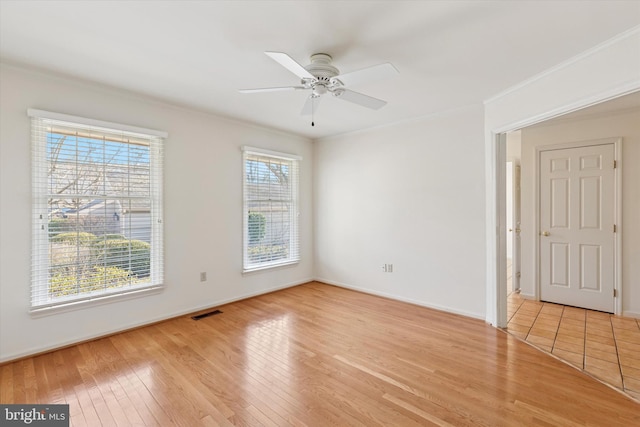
(312, 102)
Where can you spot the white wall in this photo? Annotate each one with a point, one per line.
(411, 195)
(603, 72)
(203, 210)
(623, 124)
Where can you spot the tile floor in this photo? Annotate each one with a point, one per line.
(603, 345)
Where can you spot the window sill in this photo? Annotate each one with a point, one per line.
(264, 267)
(92, 302)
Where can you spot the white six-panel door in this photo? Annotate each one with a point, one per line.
(577, 212)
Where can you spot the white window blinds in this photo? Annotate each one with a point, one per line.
(97, 210)
(270, 208)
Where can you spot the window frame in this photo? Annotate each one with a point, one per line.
(294, 226)
(41, 304)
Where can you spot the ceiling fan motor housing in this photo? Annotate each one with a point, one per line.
(321, 66)
(324, 74)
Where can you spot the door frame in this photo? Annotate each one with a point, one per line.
(617, 182)
(517, 225)
(513, 204)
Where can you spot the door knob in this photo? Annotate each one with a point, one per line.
(545, 233)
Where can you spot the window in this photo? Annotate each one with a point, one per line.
(270, 209)
(97, 210)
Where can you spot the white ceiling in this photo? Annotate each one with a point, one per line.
(450, 54)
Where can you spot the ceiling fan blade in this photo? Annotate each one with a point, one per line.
(311, 102)
(272, 89)
(360, 99)
(369, 74)
(287, 62)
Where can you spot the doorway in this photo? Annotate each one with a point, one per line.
(561, 329)
(614, 117)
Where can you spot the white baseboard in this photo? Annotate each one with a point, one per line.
(402, 299)
(528, 296)
(91, 337)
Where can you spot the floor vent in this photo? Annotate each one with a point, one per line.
(203, 315)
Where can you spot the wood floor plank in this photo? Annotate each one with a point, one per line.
(8, 386)
(263, 400)
(317, 355)
(67, 376)
(89, 413)
(182, 403)
(19, 378)
(423, 414)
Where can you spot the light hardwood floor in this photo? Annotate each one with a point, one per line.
(315, 355)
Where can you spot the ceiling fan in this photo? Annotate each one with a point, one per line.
(320, 77)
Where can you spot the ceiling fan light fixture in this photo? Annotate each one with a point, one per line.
(319, 89)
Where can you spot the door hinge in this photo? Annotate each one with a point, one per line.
(615, 164)
(614, 228)
(615, 293)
